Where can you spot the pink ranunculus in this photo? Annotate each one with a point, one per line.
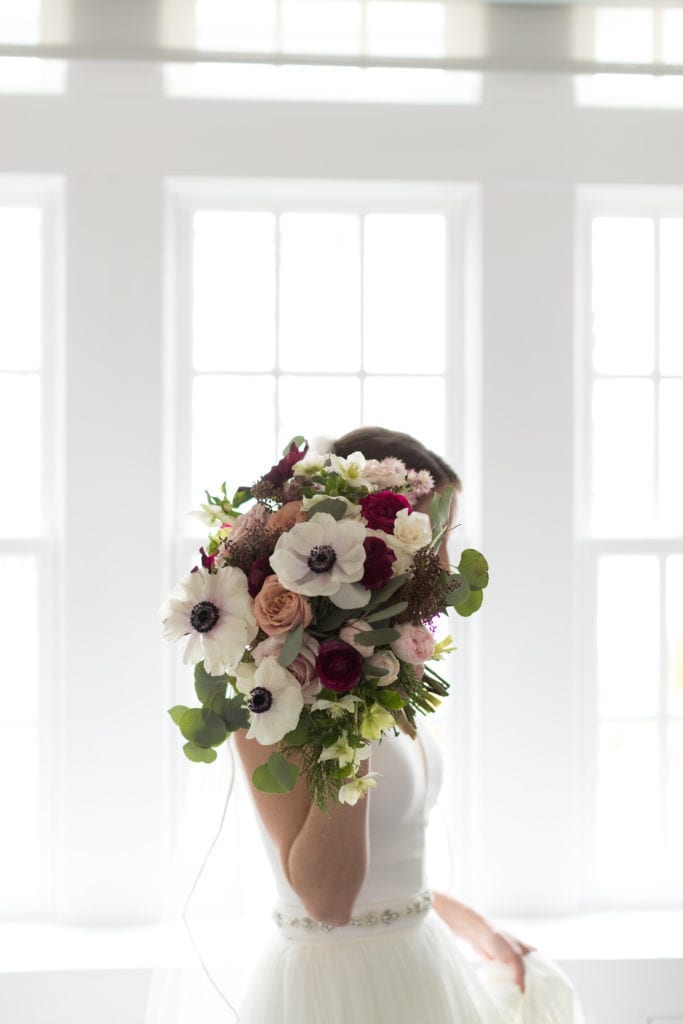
(303, 666)
(415, 643)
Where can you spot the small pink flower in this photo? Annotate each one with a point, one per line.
(258, 514)
(349, 634)
(414, 645)
(303, 666)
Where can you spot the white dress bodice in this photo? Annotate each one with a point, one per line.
(411, 772)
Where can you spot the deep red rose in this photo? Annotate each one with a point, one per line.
(338, 665)
(381, 508)
(379, 558)
(260, 570)
(281, 471)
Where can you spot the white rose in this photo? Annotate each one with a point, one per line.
(412, 529)
(386, 660)
(404, 556)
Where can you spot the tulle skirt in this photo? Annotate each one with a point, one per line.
(399, 975)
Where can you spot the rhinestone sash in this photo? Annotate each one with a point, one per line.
(375, 917)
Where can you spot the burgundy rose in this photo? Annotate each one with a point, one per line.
(281, 471)
(379, 559)
(258, 574)
(338, 666)
(381, 508)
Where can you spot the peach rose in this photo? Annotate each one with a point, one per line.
(278, 610)
(285, 517)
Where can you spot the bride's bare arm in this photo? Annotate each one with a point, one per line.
(324, 856)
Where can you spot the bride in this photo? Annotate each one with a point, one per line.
(360, 936)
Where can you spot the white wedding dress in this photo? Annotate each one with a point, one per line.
(397, 962)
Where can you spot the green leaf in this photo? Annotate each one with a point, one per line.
(284, 772)
(199, 754)
(333, 506)
(380, 596)
(241, 495)
(334, 619)
(177, 712)
(390, 699)
(206, 685)
(203, 727)
(377, 637)
(439, 510)
(264, 781)
(345, 772)
(474, 568)
(233, 712)
(471, 605)
(297, 737)
(388, 612)
(291, 646)
(461, 593)
(299, 441)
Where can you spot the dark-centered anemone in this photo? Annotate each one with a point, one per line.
(321, 559)
(204, 616)
(259, 700)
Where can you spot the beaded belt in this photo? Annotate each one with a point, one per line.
(369, 918)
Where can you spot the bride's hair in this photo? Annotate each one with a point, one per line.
(380, 443)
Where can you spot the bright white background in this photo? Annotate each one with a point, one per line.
(116, 164)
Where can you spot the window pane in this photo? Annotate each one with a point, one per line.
(671, 455)
(672, 36)
(19, 798)
(405, 293)
(412, 404)
(234, 291)
(405, 27)
(319, 292)
(19, 633)
(233, 430)
(671, 295)
(318, 406)
(235, 25)
(309, 26)
(674, 797)
(623, 294)
(20, 455)
(623, 455)
(623, 35)
(628, 635)
(628, 803)
(20, 288)
(674, 632)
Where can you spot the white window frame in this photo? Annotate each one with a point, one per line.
(594, 201)
(459, 204)
(46, 192)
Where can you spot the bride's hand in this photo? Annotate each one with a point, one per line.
(486, 940)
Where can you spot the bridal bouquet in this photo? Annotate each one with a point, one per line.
(310, 620)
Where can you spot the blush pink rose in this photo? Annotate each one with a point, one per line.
(303, 666)
(414, 645)
(257, 515)
(349, 634)
(278, 610)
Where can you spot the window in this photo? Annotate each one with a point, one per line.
(27, 533)
(634, 541)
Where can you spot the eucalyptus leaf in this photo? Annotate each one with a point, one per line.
(460, 594)
(199, 754)
(474, 568)
(203, 727)
(377, 637)
(284, 772)
(297, 441)
(388, 612)
(264, 781)
(471, 605)
(298, 736)
(291, 646)
(335, 618)
(333, 506)
(206, 685)
(233, 712)
(177, 712)
(382, 595)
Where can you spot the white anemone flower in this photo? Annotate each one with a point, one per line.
(353, 791)
(215, 609)
(274, 700)
(323, 557)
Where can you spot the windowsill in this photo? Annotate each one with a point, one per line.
(45, 946)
